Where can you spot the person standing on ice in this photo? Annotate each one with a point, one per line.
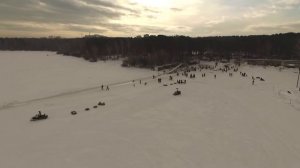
(252, 81)
(102, 87)
(107, 88)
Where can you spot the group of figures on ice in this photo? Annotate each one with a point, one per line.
(186, 72)
(41, 116)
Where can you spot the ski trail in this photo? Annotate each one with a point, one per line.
(75, 92)
(174, 69)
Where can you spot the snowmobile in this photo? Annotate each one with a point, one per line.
(101, 103)
(39, 116)
(73, 112)
(177, 92)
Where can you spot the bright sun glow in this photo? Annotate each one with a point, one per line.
(154, 3)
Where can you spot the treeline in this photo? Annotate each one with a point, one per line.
(152, 50)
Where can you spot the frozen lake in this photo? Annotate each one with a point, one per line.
(224, 122)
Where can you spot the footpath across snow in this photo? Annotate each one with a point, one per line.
(33, 75)
(224, 122)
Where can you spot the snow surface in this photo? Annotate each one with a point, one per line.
(32, 75)
(224, 122)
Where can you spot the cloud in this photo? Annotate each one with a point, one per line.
(87, 29)
(176, 9)
(72, 18)
(286, 4)
(147, 9)
(60, 11)
(124, 29)
(275, 28)
(108, 4)
(23, 27)
(271, 7)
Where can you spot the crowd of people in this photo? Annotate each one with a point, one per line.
(186, 72)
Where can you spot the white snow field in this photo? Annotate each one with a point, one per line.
(33, 75)
(216, 123)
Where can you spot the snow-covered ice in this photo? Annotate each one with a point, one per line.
(32, 75)
(224, 122)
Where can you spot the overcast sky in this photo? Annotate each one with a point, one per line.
(75, 18)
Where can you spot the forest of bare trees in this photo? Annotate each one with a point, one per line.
(151, 50)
